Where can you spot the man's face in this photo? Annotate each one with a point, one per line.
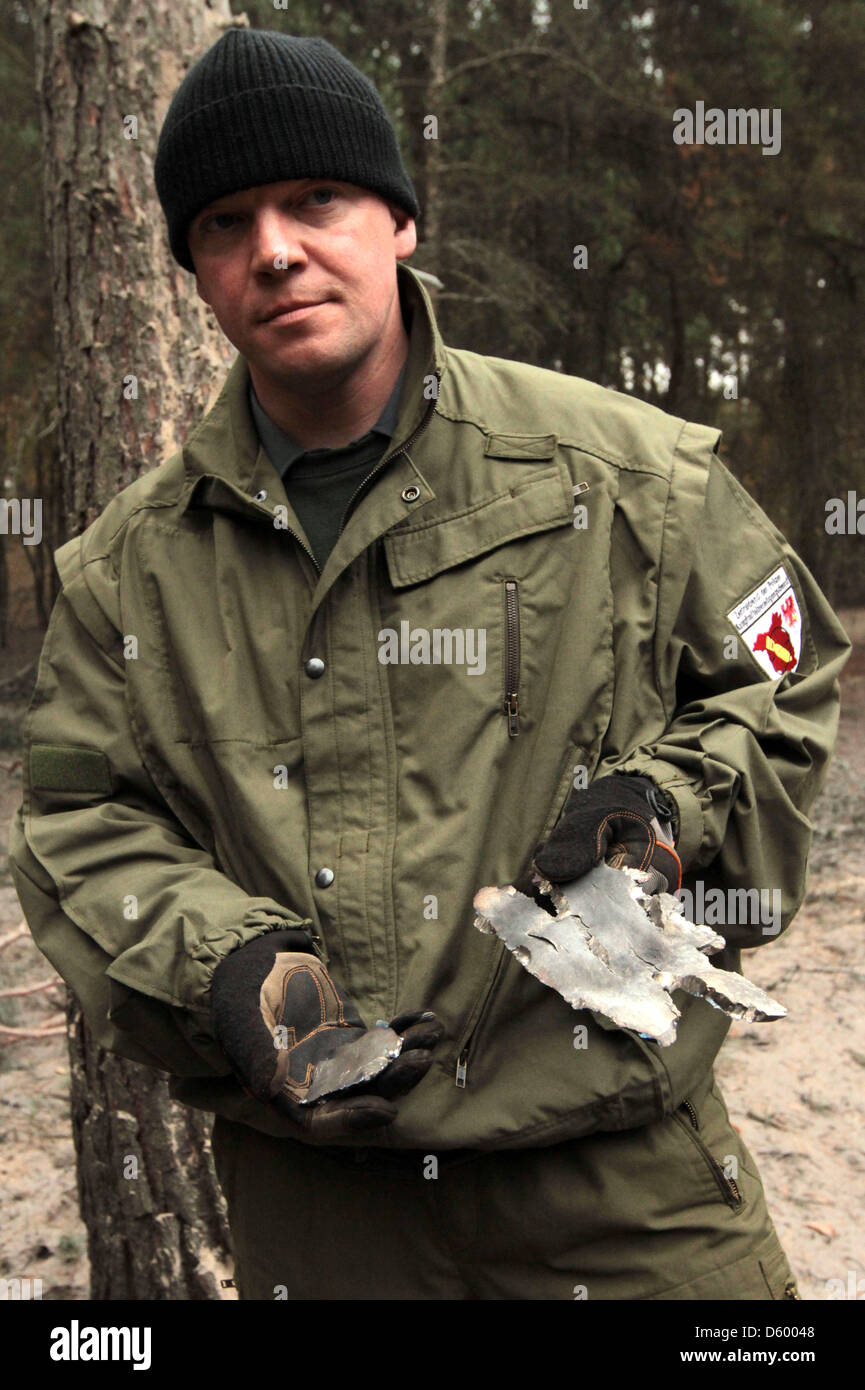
(323, 251)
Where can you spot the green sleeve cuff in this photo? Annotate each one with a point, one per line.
(670, 779)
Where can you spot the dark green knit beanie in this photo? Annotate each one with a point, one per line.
(260, 107)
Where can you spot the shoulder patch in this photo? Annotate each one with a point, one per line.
(769, 621)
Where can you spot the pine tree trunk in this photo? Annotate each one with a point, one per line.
(155, 1216)
(138, 358)
(432, 179)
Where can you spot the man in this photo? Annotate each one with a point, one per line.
(398, 622)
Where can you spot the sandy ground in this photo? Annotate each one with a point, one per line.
(795, 1089)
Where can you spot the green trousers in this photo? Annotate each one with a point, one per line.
(649, 1213)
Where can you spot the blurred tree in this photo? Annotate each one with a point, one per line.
(138, 354)
(27, 415)
(719, 283)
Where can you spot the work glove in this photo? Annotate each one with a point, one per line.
(620, 820)
(275, 982)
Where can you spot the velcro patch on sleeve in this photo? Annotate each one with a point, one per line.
(65, 768)
(769, 621)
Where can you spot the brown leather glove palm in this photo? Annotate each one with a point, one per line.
(277, 1013)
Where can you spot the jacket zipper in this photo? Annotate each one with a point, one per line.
(463, 1059)
(512, 656)
(288, 531)
(511, 705)
(387, 458)
(721, 1175)
(692, 1114)
(401, 450)
(305, 547)
(263, 512)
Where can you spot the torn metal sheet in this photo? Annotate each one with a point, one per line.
(619, 951)
(354, 1062)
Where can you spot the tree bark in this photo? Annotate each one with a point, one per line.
(432, 179)
(40, 445)
(138, 358)
(155, 1215)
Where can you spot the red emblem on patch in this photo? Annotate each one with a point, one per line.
(788, 608)
(778, 645)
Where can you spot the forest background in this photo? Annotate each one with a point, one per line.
(719, 282)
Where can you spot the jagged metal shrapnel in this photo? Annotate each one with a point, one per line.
(354, 1062)
(619, 951)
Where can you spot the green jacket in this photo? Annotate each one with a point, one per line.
(187, 774)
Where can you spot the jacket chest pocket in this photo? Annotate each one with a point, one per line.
(515, 573)
(222, 635)
(465, 576)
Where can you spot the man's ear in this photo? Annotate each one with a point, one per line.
(405, 232)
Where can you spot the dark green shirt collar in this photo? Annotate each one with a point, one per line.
(283, 451)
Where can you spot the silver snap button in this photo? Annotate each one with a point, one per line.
(314, 667)
(261, 496)
(411, 493)
(324, 878)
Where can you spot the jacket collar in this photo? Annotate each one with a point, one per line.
(284, 451)
(225, 464)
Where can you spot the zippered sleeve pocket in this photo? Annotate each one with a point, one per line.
(512, 657)
(727, 1186)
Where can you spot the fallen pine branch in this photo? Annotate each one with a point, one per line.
(20, 930)
(28, 989)
(52, 1027)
